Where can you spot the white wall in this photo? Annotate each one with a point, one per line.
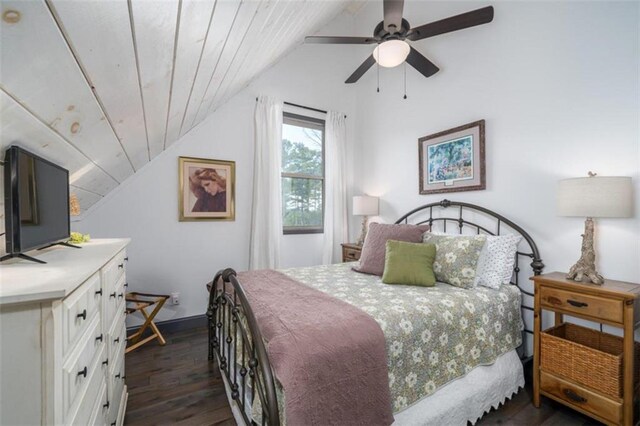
(167, 255)
(558, 86)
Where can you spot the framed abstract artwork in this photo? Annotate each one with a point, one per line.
(453, 160)
(207, 189)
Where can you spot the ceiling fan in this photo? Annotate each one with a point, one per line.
(391, 36)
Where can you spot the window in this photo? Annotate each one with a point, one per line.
(302, 174)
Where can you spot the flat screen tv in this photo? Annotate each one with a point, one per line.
(36, 202)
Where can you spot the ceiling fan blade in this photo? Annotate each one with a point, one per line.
(393, 15)
(340, 40)
(454, 23)
(422, 64)
(368, 63)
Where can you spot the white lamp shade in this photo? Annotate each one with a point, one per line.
(391, 53)
(597, 196)
(364, 205)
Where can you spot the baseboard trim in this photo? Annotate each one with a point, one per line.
(178, 324)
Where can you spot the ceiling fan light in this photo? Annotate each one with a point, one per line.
(391, 53)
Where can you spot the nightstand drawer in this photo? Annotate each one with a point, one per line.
(592, 306)
(351, 254)
(579, 397)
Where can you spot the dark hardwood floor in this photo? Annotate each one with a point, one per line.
(176, 384)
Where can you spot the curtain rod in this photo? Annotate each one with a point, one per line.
(306, 107)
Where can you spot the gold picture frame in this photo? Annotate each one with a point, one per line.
(207, 189)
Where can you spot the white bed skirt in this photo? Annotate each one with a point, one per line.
(464, 400)
(468, 398)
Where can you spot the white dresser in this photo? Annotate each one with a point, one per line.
(63, 336)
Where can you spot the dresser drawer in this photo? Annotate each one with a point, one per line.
(83, 363)
(583, 304)
(79, 309)
(580, 397)
(100, 408)
(113, 270)
(118, 365)
(116, 412)
(114, 303)
(115, 383)
(117, 340)
(83, 411)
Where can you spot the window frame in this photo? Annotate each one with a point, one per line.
(319, 124)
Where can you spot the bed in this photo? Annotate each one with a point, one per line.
(452, 354)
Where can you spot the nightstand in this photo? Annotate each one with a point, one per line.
(614, 303)
(351, 252)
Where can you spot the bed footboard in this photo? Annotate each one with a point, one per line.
(235, 339)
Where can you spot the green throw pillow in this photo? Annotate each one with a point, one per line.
(409, 264)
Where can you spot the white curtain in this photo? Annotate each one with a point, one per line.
(335, 209)
(266, 218)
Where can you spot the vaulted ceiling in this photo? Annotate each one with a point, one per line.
(102, 87)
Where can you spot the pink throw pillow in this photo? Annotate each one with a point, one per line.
(374, 248)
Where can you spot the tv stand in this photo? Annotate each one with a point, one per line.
(21, 256)
(60, 244)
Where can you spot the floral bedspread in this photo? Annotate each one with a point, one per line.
(433, 334)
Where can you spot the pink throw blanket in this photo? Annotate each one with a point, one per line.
(328, 355)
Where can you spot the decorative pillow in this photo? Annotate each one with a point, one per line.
(495, 266)
(456, 257)
(409, 264)
(374, 247)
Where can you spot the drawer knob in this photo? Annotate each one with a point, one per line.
(113, 294)
(577, 304)
(117, 376)
(105, 362)
(120, 296)
(120, 266)
(113, 424)
(574, 396)
(116, 340)
(126, 284)
(106, 405)
(99, 337)
(83, 315)
(126, 259)
(99, 292)
(83, 372)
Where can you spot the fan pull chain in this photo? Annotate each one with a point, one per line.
(405, 80)
(378, 72)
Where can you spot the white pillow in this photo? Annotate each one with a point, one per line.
(495, 266)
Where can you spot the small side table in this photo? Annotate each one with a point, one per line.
(351, 252)
(614, 303)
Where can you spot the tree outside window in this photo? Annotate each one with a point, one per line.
(302, 174)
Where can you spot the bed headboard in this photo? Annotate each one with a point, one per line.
(465, 216)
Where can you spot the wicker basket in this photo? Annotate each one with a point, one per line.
(588, 357)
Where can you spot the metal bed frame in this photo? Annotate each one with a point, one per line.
(236, 341)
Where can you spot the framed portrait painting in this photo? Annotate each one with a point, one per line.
(207, 189)
(453, 160)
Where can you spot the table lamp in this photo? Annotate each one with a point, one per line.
(364, 205)
(591, 197)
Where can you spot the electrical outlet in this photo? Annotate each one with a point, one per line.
(175, 298)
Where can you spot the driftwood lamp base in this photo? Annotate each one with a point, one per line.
(363, 231)
(585, 267)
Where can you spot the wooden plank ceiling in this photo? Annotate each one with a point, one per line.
(102, 87)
